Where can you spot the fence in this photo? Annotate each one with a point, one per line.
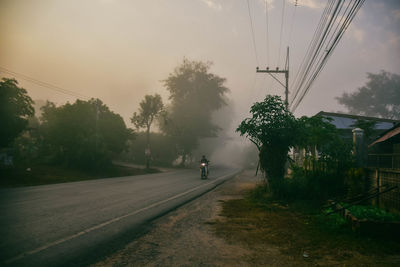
(390, 161)
(379, 177)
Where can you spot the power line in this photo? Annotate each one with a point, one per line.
(317, 57)
(252, 32)
(45, 84)
(310, 49)
(292, 23)
(280, 35)
(267, 33)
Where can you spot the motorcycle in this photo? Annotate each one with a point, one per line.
(203, 170)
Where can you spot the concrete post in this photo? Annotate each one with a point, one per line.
(359, 147)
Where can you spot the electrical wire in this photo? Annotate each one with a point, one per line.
(281, 32)
(252, 33)
(318, 58)
(267, 32)
(44, 84)
(310, 50)
(292, 24)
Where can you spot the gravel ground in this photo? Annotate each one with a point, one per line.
(197, 235)
(185, 236)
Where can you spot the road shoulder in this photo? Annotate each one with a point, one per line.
(186, 236)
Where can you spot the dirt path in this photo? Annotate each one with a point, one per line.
(185, 237)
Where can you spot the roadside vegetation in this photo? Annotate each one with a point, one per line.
(301, 234)
(40, 174)
(289, 209)
(80, 140)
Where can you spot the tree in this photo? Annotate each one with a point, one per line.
(379, 97)
(15, 109)
(315, 133)
(85, 134)
(273, 129)
(368, 126)
(195, 94)
(149, 109)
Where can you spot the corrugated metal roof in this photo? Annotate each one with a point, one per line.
(346, 121)
(386, 136)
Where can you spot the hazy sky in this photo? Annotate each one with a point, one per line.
(120, 50)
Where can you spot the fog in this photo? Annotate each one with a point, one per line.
(119, 50)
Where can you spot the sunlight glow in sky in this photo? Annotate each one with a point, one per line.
(120, 50)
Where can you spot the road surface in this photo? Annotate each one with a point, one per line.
(78, 223)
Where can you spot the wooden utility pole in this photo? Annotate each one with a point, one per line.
(285, 71)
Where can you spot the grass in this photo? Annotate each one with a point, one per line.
(298, 227)
(50, 174)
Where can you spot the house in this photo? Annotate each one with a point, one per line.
(345, 123)
(384, 152)
(384, 167)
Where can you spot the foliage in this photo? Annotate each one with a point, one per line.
(195, 94)
(163, 150)
(149, 109)
(367, 126)
(355, 181)
(15, 108)
(373, 213)
(317, 185)
(41, 174)
(84, 134)
(273, 129)
(379, 97)
(26, 147)
(315, 132)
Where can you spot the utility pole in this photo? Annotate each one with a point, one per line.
(285, 71)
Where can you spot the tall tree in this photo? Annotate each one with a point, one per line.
(149, 109)
(195, 94)
(84, 134)
(379, 97)
(15, 108)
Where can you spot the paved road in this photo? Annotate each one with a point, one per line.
(78, 223)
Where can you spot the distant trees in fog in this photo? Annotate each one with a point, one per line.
(195, 94)
(379, 97)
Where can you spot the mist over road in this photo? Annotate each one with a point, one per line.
(77, 223)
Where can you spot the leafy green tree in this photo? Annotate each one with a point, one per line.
(367, 126)
(85, 134)
(149, 109)
(15, 109)
(273, 129)
(379, 97)
(315, 132)
(195, 94)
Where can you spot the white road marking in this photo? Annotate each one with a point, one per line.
(88, 230)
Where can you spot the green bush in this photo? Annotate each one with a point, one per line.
(373, 213)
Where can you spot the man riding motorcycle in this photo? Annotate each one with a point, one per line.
(204, 167)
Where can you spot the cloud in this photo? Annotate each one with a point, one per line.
(270, 4)
(396, 14)
(356, 33)
(394, 40)
(213, 4)
(313, 4)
